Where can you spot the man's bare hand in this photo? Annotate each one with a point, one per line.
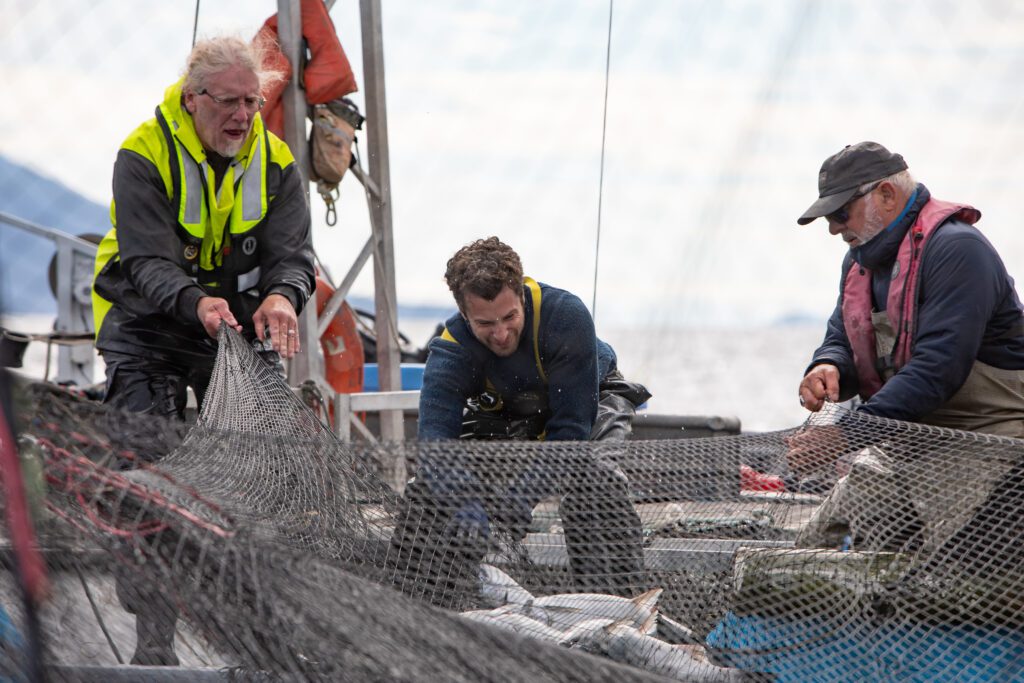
(211, 310)
(819, 385)
(277, 314)
(815, 447)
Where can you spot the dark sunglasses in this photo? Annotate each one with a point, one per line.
(842, 214)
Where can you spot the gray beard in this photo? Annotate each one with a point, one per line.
(873, 222)
(230, 151)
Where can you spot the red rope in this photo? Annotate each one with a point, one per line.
(19, 520)
(144, 529)
(73, 473)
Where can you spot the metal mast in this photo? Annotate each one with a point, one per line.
(307, 364)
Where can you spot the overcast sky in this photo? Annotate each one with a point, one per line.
(719, 115)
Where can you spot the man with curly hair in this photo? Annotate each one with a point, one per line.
(521, 360)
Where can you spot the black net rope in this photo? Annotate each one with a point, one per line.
(881, 550)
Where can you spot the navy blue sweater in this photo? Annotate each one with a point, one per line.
(572, 356)
(967, 310)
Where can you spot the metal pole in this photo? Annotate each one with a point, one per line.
(289, 31)
(334, 303)
(65, 303)
(338, 298)
(391, 426)
(75, 258)
(306, 364)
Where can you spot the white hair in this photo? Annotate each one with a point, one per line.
(214, 55)
(902, 180)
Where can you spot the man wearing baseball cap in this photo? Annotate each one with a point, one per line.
(928, 327)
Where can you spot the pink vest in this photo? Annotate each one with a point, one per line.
(902, 301)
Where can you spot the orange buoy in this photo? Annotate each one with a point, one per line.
(340, 343)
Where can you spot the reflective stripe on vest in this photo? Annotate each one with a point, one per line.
(901, 304)
(249, 280)
(238, 205)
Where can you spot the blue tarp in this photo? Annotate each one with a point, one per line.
(412, 376)
(806, 650)
(10, 645)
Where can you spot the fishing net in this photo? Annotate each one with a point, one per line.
(850, 548)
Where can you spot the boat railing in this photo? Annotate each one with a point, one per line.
(71, 279)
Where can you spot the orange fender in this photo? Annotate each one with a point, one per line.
(341, 345)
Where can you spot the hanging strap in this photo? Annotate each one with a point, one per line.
(534, 288)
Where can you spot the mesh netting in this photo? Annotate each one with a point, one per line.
(264, 548)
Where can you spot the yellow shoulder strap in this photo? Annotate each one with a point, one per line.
(534, 288)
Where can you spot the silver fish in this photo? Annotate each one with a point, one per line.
(565, 610)
(498, 588)
(509, 620)
(623, 643)
(675, 633)
(583, 632)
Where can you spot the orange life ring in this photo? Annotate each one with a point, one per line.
(341, 345)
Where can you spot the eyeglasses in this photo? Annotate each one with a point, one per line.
(842, 214)
(231, 104)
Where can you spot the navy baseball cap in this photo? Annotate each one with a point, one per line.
(845, 171)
